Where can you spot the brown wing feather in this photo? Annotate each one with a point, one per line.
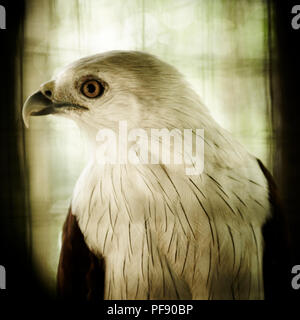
(80, 273)
(276, 260)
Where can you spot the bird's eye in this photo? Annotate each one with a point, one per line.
(92, 89)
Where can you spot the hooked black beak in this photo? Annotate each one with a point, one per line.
(39, 105)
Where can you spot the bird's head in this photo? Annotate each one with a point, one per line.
(100, 90)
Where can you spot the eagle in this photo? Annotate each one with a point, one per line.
(150, 230)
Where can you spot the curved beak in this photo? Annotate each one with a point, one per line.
(37, 105)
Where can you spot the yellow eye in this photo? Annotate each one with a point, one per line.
(92, 89)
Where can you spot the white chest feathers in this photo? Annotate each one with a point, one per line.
(166, 235)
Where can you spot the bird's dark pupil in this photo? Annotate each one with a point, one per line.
(91, 88)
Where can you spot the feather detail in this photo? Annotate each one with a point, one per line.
(80, 273)
(163, 234)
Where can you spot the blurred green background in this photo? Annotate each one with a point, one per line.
(221, 46)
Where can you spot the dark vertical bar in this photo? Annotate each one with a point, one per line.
(286, 121)
(21, 284)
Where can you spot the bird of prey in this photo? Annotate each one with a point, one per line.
(152, 231)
